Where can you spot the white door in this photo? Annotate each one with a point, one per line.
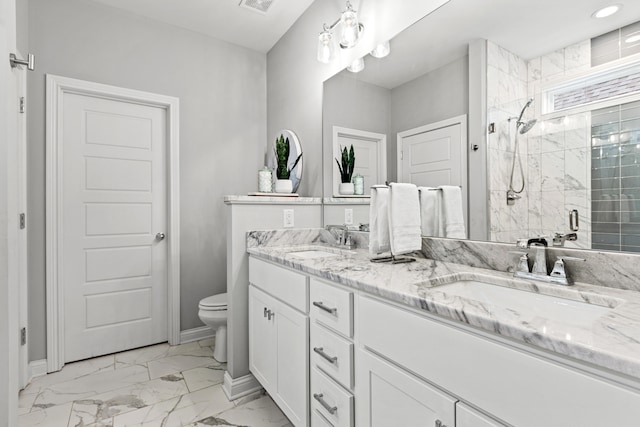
(370, 155)
(114, 268)
(435, 155)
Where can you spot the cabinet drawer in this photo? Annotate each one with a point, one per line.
(332, 307)
(318, 420)
(469, 417)
(286, 285)
(331, 400)
(332, 354)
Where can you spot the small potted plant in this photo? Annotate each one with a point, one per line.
(346, 171)
(283, 171)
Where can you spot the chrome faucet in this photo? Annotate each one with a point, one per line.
(342, 237)
(559, 238)
(540, 272)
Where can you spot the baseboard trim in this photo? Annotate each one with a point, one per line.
(196, 334)
(235, 388)
(37, 368)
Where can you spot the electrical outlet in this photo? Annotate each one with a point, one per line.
(287, 215)
(348, 216)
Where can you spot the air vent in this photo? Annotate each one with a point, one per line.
(260, 6)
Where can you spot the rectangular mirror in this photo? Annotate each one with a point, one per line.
(560, 140)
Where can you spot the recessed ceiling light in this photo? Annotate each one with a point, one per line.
(606, 11)
(633, 37)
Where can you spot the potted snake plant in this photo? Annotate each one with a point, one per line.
(283, 171)
(345, 166)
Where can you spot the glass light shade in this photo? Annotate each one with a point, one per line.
(326, 47)
(356, 66)
(350, 28)
(382, 50)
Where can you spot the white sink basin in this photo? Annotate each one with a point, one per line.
(529, 306)
(313, 254)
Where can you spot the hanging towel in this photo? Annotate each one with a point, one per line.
(431, 218)
(379, 219)
(452, 210)
(404, 218)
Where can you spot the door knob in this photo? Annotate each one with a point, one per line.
(160, 236)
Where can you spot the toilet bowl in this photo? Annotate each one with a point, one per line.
(213, 313)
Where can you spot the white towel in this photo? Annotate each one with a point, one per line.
(404, 218)
(379, 219)
(452, 210)
(431, 218)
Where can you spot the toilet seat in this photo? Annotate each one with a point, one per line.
(214, 303)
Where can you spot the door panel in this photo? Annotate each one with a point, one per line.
(114, 202)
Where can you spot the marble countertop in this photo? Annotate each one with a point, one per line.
(285, 200)
(611, 342)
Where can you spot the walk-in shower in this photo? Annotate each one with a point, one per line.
(521, 129)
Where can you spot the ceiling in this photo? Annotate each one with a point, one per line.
(528, 28)
(221, 19)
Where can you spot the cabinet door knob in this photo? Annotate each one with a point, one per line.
(320, 351)
(320, 398)
(270, 314)
(265, 312)
(439, 424)
(321, 306)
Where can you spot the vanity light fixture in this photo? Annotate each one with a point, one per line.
(356, 66)
(350, 33)
(633, 37)
(606, 11)
(382, 50)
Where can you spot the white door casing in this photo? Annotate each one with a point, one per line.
(94, 216)
(370, 151)
(22, 209)
(434, 155)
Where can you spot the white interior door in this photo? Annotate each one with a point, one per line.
(114, 202)
(435, 155)
(370, 153)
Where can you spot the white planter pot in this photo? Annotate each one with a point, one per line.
(345, 188)
(284, 186)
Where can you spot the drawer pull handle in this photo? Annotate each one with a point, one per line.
(265, 312)
(321, 306)
(270, 314)
(439, 424)
(320, 351)
(319, 397)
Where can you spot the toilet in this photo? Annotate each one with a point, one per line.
(213, 313)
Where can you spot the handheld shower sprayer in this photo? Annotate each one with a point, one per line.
(521, 128)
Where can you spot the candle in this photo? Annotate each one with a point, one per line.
(264, 180)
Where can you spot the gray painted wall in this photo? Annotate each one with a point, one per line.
(348, 102)
(222, 91)
(438, 95)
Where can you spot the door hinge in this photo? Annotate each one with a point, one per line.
(23, 105)
(23, 336)
(402, 155)
(23, 221)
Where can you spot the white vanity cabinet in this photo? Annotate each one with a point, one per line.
(505, 381)
(279, 336)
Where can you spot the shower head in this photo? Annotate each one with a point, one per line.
(523, 109)
(526, 127)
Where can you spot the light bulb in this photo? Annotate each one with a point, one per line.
(326, 47)
(382, 50)
(356, 66)
(350, 28)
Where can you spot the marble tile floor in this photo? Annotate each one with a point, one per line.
(152, 386)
